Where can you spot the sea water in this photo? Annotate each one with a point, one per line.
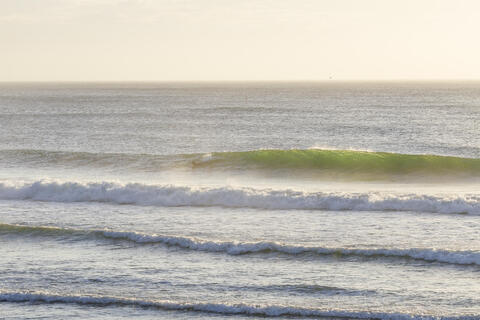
(240, 200)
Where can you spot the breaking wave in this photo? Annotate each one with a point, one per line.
(215, 308)
(240, 248)
(158, 195)
(334, 163)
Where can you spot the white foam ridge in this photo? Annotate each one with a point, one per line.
(216, 308)
(239, 248)
(169, 195)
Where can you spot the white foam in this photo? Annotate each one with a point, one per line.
(169, 195)
(218, 308)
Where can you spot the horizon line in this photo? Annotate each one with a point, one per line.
(247, 81)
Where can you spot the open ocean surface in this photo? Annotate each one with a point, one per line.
(240, 201)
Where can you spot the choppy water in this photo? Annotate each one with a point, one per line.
(199, 201)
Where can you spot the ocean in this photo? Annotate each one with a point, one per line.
(328, 200)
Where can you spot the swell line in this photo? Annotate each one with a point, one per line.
(214, 308)
(241, 248)
(175, 196)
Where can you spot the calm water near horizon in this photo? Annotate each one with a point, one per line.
(240, 200)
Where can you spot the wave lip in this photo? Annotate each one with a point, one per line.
(215, 308)
(240, 248)
(173, 196)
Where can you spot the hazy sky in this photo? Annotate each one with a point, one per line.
(238, 39)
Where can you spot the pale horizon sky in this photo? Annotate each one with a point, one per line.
(215, 40)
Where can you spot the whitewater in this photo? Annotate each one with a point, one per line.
(240, 201)
(171, 196)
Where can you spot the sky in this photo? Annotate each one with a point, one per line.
(238, 40)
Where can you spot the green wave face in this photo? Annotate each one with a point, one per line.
(362, 163)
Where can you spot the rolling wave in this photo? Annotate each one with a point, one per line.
(214, 308)
(357, 165)
(171, 196)
(239, 248)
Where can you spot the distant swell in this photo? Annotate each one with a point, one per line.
(171, 196)
(239, 248)
(215, 308)
(333, 163)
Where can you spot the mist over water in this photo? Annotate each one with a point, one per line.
(350, 200)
